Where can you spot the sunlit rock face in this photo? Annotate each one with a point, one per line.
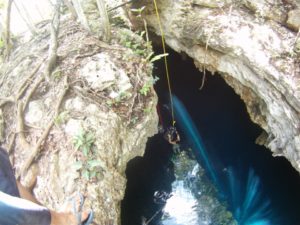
(103, 101)
(254, 50)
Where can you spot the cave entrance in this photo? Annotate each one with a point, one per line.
(229, 137)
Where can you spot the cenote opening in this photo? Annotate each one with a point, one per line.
(254, 187)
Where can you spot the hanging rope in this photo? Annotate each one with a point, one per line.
(165, 60)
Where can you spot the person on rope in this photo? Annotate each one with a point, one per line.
(19, 207)
(172, 135)
(169, 132)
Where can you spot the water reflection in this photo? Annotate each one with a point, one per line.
(194, 199)
(247, 202)
(180, 208)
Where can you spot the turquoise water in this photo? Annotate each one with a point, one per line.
(255, 187)
(259, 188)
(247, 203)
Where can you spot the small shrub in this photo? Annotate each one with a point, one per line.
(61, 118)
(84, 141)
(89, 168)
(147, 86)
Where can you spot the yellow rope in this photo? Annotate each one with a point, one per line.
(165, 59)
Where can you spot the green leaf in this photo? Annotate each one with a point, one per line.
(86, 174)
(85, 150)
(90, 137)
(149, 56)
(144, 91)
(135, 46)
(142, 8)
(93, 174)
(158, 57)
(147, 110)
(78, 165)
(128, 44)
(139, 52)
(135, 10)
(155, 79)
(95, 163)
(80, 134)
(142, 33)
(78, 144)
(139, 10)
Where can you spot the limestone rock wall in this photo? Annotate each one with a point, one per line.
(254, 45)
(102, 121)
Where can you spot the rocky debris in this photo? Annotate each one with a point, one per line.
(253, 53)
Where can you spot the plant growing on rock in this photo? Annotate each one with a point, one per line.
(147, 110)
(152, 58)
(84, 141)
(88, 165)
(147, 86)
(134, 43)
(89, 168)
(61, 118)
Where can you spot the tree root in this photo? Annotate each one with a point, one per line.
(23, 87)
(87, 55)
(36, 149)
(21, 107)
(2, 126)
(6, 100)
(52, 59)
(130, 110)
(20, 127)
(80, 14)
(71, 9)
(13, 64)
(104, 20)
(204, 68)
(11, 143)
(7, 36)
(85, 95)
(33, 89)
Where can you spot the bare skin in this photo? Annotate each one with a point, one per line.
(64, 218)
(57, 218)
(27, 193)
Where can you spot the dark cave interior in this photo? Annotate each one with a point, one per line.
(229, 137)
